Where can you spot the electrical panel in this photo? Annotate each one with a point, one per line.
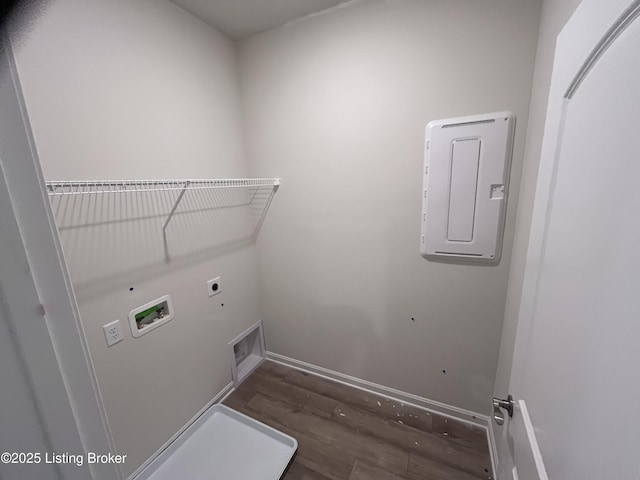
(466, 179)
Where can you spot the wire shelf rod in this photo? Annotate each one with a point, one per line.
(94, 187)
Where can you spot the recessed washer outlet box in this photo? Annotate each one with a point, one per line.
(150, 316)
(247, 352)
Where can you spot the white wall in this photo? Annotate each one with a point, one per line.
(119, 89)
(336, 104)
(555, 14)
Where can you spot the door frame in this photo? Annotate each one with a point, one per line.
(584, 39)
(57, 356)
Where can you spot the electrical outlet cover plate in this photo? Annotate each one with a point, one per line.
(214, 287)
(113, 332)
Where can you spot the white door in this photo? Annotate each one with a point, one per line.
(576, 371)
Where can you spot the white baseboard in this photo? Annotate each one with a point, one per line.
(390, 393)
(220, 396)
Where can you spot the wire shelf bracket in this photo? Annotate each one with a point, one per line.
(175, 207)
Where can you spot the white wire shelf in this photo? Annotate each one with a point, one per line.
(95, 187)
(104, 187)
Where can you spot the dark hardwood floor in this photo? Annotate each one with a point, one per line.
(348, 434)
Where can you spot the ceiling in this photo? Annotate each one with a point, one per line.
(240, 19)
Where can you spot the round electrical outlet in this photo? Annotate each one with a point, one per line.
(214, 286)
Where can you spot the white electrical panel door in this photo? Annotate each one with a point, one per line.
(466, 179)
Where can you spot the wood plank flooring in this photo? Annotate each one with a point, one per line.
(348, 434)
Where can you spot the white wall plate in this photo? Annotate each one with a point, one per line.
(214, 287)
(113, 332)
